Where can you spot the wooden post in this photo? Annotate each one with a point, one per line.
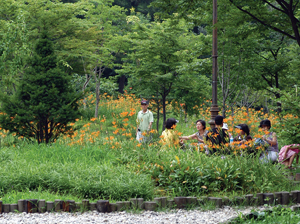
(42, 206)
(103, 206)
(50, 206)
(180, 202)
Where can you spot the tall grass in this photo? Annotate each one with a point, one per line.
(87, 172)
(103, 160)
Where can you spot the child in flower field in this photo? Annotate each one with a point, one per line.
(288, 153)
(271, 153)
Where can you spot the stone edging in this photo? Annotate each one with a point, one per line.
(103, 206)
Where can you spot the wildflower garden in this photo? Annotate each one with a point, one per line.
(103, 160)
(73, 74)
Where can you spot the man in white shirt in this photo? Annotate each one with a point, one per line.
(144, 122)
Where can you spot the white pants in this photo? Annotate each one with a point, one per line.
(269, 156)
(141, 138)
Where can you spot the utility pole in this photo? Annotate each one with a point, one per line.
(214, 110)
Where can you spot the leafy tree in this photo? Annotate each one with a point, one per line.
(15, 45)
(99, 44)
(44, 103)
(282, 16)
(290, 116)
(20, 26)
(164, 58)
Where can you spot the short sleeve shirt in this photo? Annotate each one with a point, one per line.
(169, 137)
(201, 137)
(144, 120)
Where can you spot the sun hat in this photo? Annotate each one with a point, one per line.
(225, 126)
(238, 126)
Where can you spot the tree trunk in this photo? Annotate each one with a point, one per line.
(97, 80)
(97, 98)
(87, 80)
(277, 95)
(164, 110)
(185, 114)
(157, 121)
(122, 80)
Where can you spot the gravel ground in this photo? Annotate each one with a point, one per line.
(174, 216)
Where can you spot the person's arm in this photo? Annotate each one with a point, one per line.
(151, 120)
(138, 122)
(149, 127)
(193, 136)
(273, 141)
(287, 149)
(294, 146)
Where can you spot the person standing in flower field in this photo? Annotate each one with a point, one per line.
(144, 122)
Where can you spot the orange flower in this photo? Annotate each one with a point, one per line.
(124, 114)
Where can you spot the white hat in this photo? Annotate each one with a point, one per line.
(225, 126)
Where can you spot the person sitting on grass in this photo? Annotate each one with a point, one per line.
(287, 155)
(244, 134)
(217, 137)
(168, 136)
(199, 135)
(271, 153)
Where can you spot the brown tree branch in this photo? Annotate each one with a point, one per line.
(263, 23)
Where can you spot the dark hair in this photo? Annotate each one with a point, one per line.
(266, 123)
(170, 123)
(219, 120)
(260, 124)
(202, 122)
(245, 128)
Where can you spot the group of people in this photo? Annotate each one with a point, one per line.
(217, 137)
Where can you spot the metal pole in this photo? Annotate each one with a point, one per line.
(214, 110)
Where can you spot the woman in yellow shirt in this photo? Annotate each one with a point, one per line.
(169, 136)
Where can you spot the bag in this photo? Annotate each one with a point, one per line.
(259, 142)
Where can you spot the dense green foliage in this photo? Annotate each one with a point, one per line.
(44, 102)
(275, 215)
(97, 172)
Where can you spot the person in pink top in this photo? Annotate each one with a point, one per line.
(288, 153)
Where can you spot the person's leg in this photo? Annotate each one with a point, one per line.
(139, 137)
(297, 159)
(291, 159)
(286, 162)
